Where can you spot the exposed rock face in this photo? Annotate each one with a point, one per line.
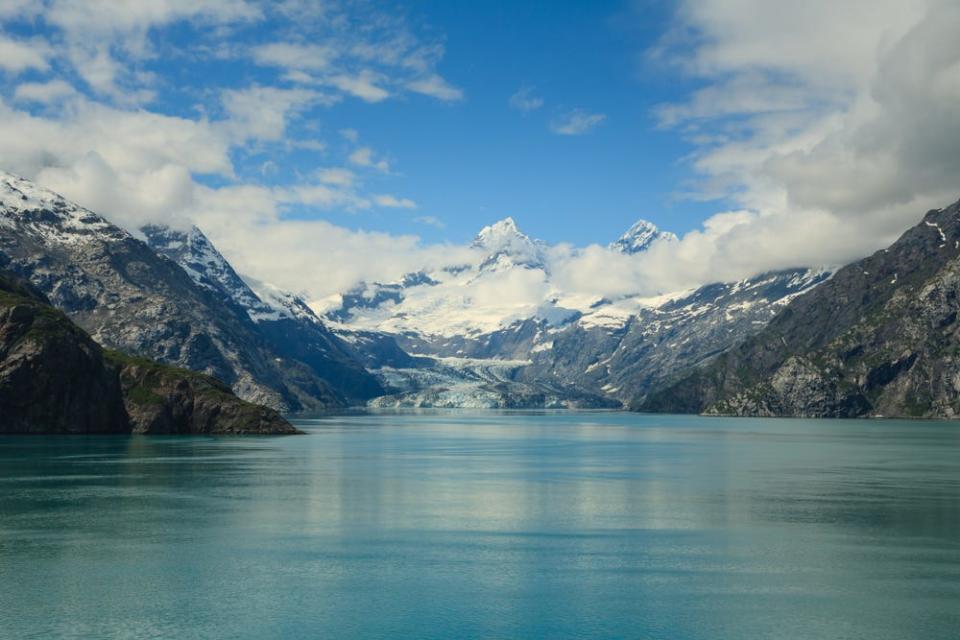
(164, 400)
(881, 338)
(624, 356)
(289, 328)
(132, 299)
(55, 379)
(571, 349)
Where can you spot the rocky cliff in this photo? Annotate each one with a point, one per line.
(55, 379)
(130, 298)
(881, 338)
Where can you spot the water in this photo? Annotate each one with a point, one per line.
(485, 525)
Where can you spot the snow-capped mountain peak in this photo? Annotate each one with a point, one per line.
(43, 213)
(504, 246)
(640, 237)
(194, 252)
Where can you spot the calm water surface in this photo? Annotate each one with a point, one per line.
(487, 525)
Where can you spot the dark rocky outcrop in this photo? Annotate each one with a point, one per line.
(881, 338)
(165, 400)
(55, 379)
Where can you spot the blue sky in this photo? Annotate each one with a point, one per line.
(319, 143)
(474, 161)
(468, 162)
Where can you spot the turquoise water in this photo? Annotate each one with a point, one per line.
(473, 525)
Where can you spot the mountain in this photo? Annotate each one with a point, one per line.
(131, 299)
(289, 327)
(504, 246)
(880, 338)
(472, 349)
(624, 349)
(469, 297)
(640, 237)
(55, 379)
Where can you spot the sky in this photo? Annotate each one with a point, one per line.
(319, 143)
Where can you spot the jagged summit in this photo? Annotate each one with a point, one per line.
(48, 215)
(506, 246)
(194, 252)
(640, 237)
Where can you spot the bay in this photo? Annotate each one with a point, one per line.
(488, 525)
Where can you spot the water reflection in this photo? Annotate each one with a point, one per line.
(488, 525)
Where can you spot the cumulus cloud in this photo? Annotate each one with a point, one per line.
(830, 126)
(319, 258)
(827, 128)
(261, 113)
(576, 122)
(101, 139)
(17, 56)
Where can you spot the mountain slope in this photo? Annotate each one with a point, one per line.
(131, 299)
(290, 329)
(624, 352)
(55, 379)
(880, 338)
(573, 349)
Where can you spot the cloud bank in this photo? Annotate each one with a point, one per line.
(828, 128)
(831, 126)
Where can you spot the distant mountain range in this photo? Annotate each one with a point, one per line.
(566, 350)
(874, 339)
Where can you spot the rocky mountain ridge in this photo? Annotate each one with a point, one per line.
(55, 379)
(288, 326)
(881, 338)
(132, 299)
(597, 353)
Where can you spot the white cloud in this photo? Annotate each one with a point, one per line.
(337, 176)
(243, 222)
(393, 202)
(363, 85)
(525, 99)
(833, 125)
(44, 92)
(105, 41)
(364, 157)
(101, 140)
(261, 113)
(576, 122)
(431, 221)
(436, 87)
(294, 56)
(17, 56)
(20, 9)
(327, 196)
